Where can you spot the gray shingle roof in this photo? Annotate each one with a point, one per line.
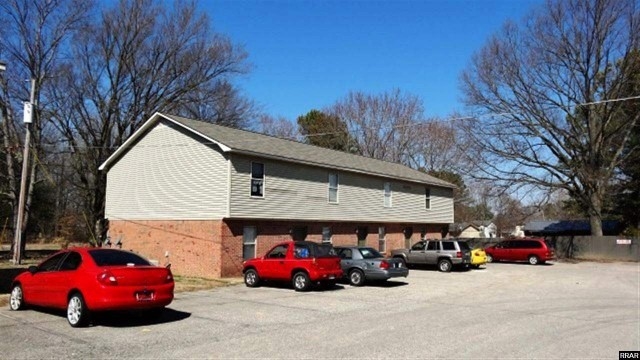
(251, 143)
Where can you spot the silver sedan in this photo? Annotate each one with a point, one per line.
(361, 264)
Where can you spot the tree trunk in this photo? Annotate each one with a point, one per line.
(595, 213)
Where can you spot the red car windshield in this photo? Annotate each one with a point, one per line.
(112, 257)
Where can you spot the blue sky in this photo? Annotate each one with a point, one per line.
(309, 54)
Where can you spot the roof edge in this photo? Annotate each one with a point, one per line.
(154, 119)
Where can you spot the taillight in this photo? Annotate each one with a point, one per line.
(107, 278)
(459, 254)
(384, 265)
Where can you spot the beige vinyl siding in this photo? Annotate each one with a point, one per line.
(294, 191)
(168, 174)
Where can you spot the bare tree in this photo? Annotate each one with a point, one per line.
(35, 37)
(137, 58)
(383, 125)
(543, 88)
(435, 146)
(278, 127)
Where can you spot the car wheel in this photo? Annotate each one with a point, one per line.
(16, 301)
(356, 277)
(444, 265)
(301, 281)
(77, 312)
(489, 258)
(251, 278)
(475, 266)
(533, 260)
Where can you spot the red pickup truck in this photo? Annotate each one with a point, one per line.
(302, 262)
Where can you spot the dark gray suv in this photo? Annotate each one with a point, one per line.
(445, 253)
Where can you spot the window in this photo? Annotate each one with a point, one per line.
(333, 188)
(419, 245)
(382, 241)
(387, 194)
(301, 251)
(448, 245)
(249, 235)
(52, 263)
(345, 254)
(427, 198)
(326, 234)
(369, 253)
(433, 246)
(71, 262)
(113, 257)
(257, 179)
(278, 252)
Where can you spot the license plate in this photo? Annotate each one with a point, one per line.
(144, 295)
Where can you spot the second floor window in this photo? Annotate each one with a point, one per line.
(333, 188)
(387, 194)
(427, 198)
(257, 179)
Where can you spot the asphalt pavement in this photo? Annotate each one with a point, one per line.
(586, 310)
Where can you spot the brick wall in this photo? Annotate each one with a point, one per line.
(213, 249)
(193, 246)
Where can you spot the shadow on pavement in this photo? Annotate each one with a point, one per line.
(121, 319)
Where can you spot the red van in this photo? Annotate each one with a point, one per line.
(533, 250)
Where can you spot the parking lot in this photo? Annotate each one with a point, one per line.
(584, 310)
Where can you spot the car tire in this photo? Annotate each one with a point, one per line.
(475, 266)
(356, 277)
(301, 281)
(16, 299)
(251, 278)
(77, 312)
(489, 258)
(533, 260)
(444, 265)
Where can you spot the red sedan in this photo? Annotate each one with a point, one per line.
(83, 280)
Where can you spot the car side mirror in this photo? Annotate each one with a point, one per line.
(33, 269)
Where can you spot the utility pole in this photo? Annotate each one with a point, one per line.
(29, 109)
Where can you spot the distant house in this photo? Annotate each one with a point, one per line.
(568, 228)
(206, 197)
(474, 229)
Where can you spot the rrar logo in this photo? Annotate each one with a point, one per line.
(629, 355)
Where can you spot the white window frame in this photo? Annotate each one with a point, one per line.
(249, 242)
(333, 188)
(263, 180)
(427, 198)
(382, 239)
(387, 194)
